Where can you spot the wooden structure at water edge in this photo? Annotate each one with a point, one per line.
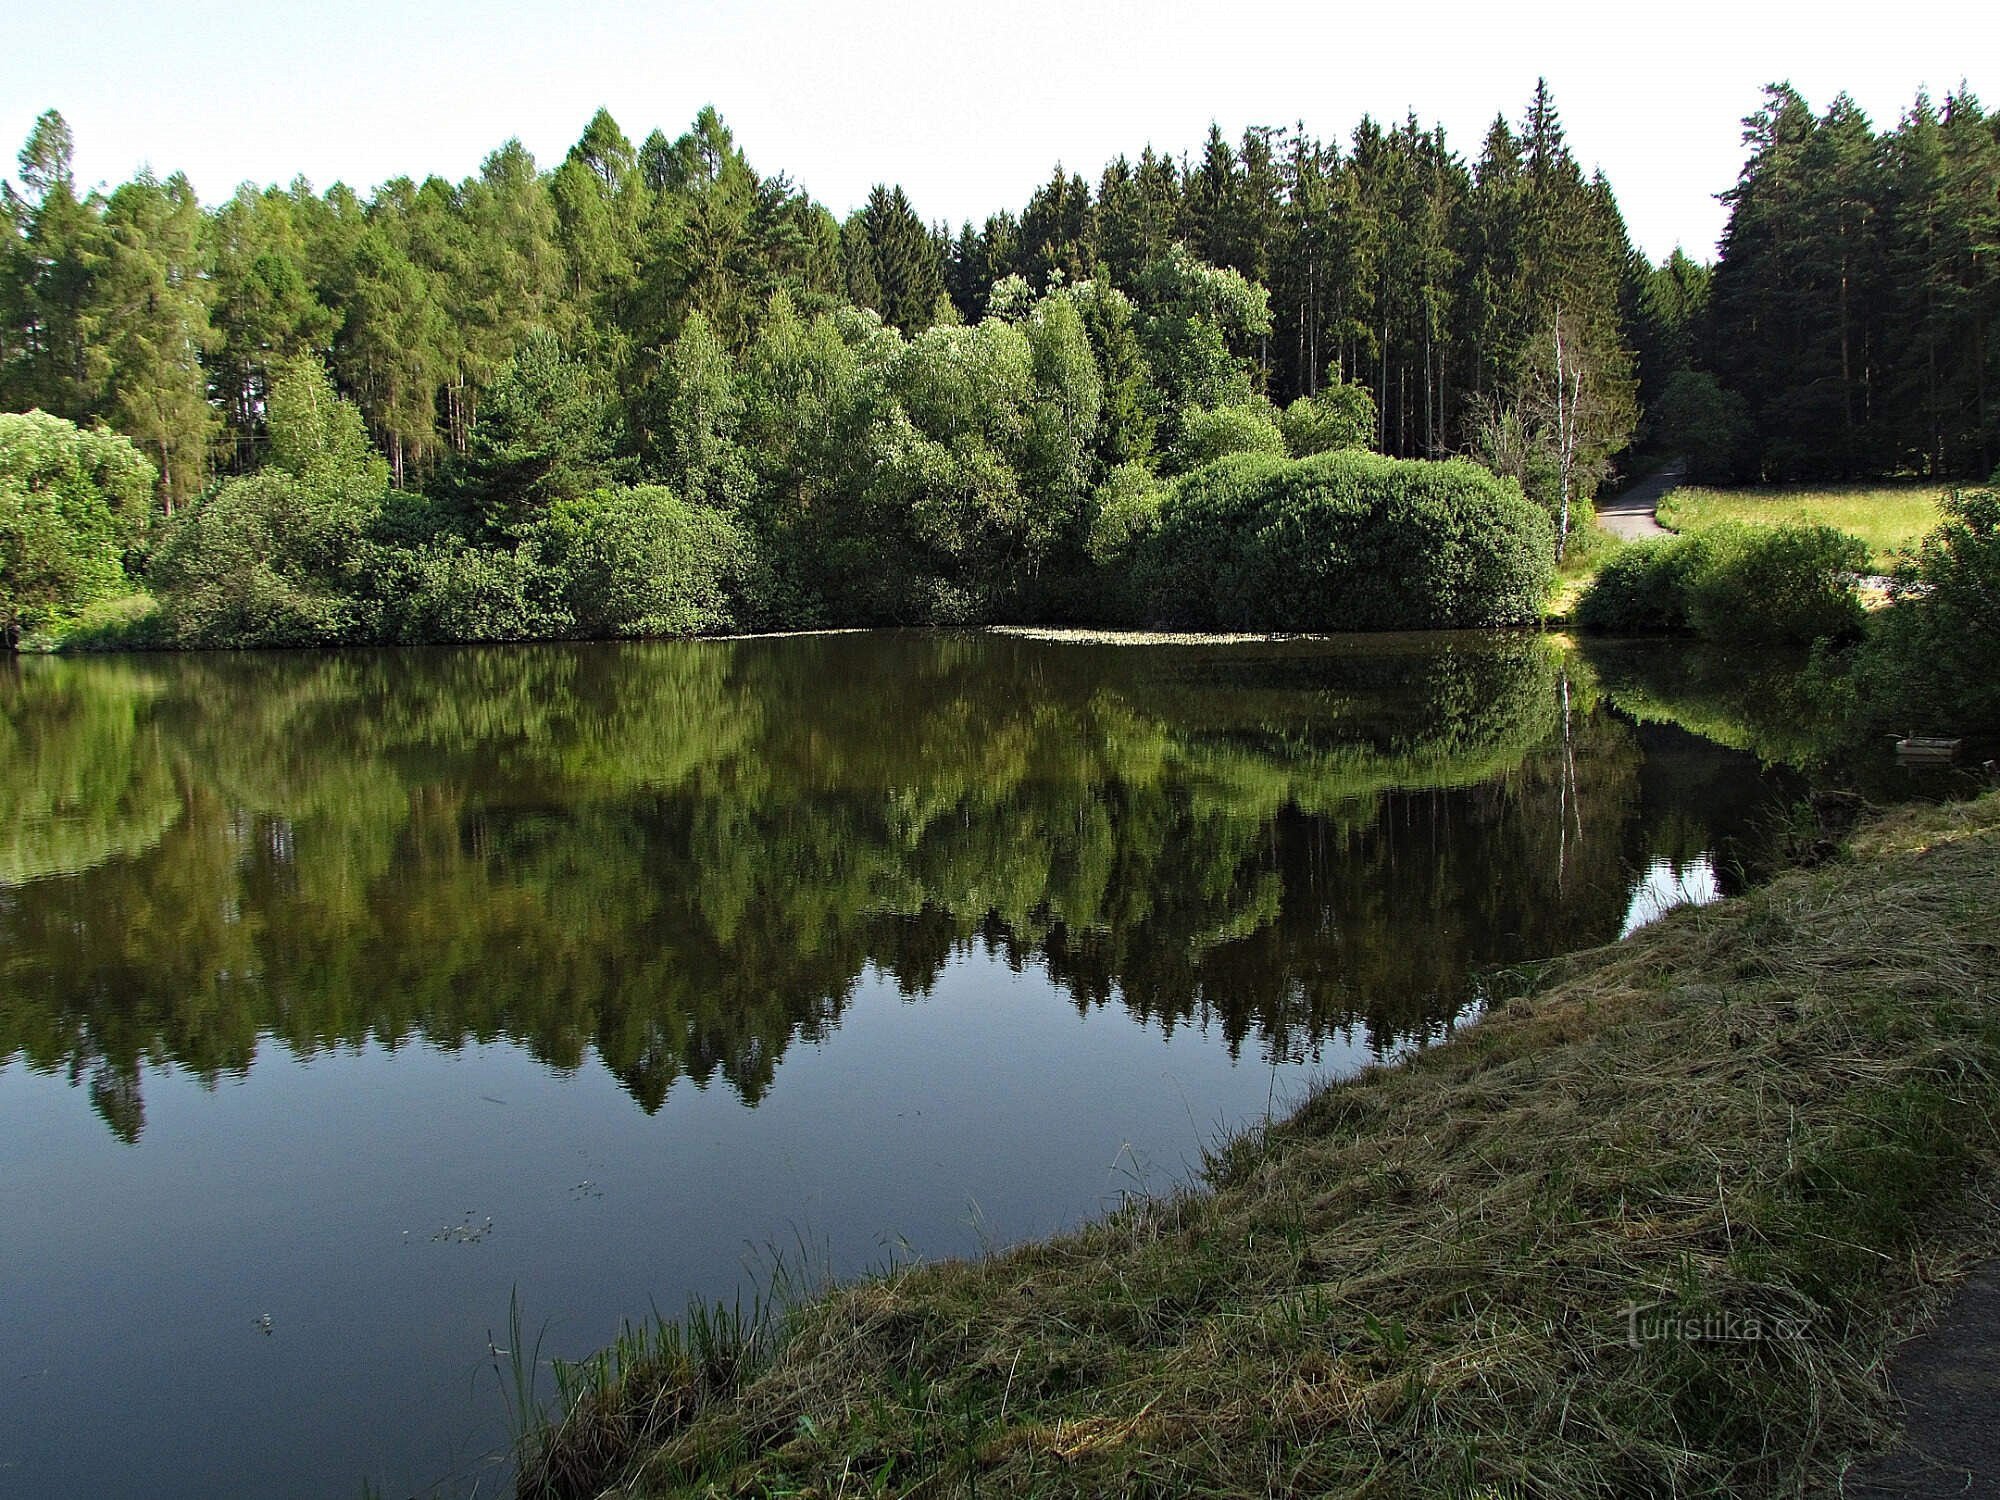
(1927, 750)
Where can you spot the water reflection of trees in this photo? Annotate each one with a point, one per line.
(685, 856)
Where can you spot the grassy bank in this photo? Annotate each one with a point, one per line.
(1767, 1116)
(1888, 517)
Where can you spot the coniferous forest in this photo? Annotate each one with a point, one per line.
(653, 390)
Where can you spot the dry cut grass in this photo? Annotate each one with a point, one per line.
(1766, 1123)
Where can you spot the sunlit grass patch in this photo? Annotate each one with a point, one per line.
(1887, 516)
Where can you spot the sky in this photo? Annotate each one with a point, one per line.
(969, 107)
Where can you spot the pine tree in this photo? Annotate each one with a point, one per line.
(53, 264)
(265, 309)
(900, 257)
(148, 321)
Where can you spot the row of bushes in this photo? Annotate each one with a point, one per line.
(1341, 541)
(316, 548)
(260, 565)
(1929, 663)
(1750, 583)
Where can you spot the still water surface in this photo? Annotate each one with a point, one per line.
(344, 996)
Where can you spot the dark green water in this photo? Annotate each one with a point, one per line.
(665, 958)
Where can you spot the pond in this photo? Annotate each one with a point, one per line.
(350, 998)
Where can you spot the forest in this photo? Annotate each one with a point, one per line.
(652, 390)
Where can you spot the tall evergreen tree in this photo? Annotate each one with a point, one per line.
(893, 255)
(148, 321)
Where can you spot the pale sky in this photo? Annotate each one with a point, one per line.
(967, 107)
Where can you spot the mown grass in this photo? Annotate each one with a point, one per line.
(1776, 1112)
(1888, 517)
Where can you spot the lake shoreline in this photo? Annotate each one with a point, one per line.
(86, 644)
(1655, 1222)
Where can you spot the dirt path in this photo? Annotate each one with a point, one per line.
(1949, 1384)
(1629, 516)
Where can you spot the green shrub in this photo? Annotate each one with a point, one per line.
(1245, 427)
(1793, 583)
(617, 562)
(1931, 662)
(1346, 541)
(1341, 416)
(640, 562)
(267, 560)
(74, 504)
(450, 590)
(1643, 588)
(129, 622)
(1778, 583)
(1124, 509)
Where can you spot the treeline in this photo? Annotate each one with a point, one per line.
(1391, 263)
(870, 420)
(879, 420)
(1852, 325)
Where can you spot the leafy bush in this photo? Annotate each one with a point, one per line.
(617, 562)
(276, 558)
(267, 560)
(640, 562)
(1341, 416)
(450, 590)
(1792, 583)
(1778, 583)
(74, 504)
(1931, 662)
(1124, 509)
(1346, 541)
(1643, 588)
(1243, 427)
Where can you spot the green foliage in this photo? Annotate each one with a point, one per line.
(893, 263)
(1066, 395)
(1341, 416)
(1702, 422)
(1853, 306)
(1786, 583)
(74, 504)
(1246, 427)
(548, 431)
(1643, 588)
(525, 339)
(277, 558)
(315, 435)
(150, 323)
(449, 590)
(1124, 510)
(1931, 662)
(1793, 583)
(692, 415)
(266, 560)
(1126, 423)
(1197, 326)
(639, 562)
(1347, 541)
(618, 562)
(1891, 518)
